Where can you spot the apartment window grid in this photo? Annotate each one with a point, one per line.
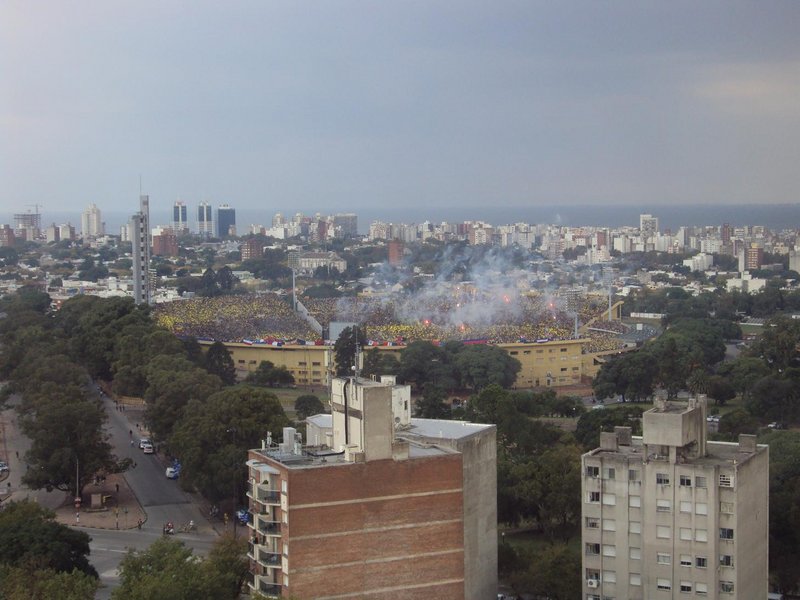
(725, 560)
(726, 587)
(685, 481)
(725, 481)
(686, 560)
(725, 533)
(633, 475)
(609, 473)
(592, 471)
(686, 587)
(662, 478)
(593, 497)
(700, 482)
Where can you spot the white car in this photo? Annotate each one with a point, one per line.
(171, 473)
(148, 448)
(144, 442)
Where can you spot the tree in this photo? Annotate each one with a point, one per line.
(552, 484)
(378, 362)
(307, 405)
(31, 538)
(166, 570)
(43, 584)
(350, 340)
(422, 362)
(671, 367)
(172, 382)
(226, 280)
(479, 366)
(554, 572)
(268, 375)
(736, 422)
(432, 405)
(213, 436)
(743, 373)
(591, 423)
(220, 363)
(720, 389)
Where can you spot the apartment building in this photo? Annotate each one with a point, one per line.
(380, 506)
(672, 515)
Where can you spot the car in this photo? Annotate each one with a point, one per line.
(3, 467)
(598, 406)
(171, 473)
(143, 442)
(148, 449)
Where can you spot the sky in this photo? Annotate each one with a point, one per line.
(344, 105)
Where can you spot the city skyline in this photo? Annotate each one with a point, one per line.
(419, 104)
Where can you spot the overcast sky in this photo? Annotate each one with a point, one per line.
(315, 105)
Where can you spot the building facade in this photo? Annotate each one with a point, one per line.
(180, 222)
(140, 241)
(92, 222)
(205, 220)
(387, 506)
(226, 221)
(672, 515)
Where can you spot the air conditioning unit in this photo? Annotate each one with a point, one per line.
(593, 583)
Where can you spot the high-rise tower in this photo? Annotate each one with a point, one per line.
(205, 220)
(226, 221)
(140, 240)
(180, 223)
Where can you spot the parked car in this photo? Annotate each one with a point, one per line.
(143, 442)
(148, 449)
(171, 473)
(3, 467)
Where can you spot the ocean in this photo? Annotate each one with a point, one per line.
(776, 217)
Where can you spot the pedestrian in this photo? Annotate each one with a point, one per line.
(139, 523)
(116, 485)
(17, 453)
(131, 443)
(130, 432)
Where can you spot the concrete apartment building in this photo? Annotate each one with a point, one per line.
(380, 506)
(672, 515)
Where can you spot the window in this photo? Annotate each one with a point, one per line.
(726, 587)
(662, 478)
(686, 534)
(609, 576)
(609, 525)
(725, 481)
(701, 508)
(663, 558)
(663, 584)
(284, 486)
(609, 499)
(241, 361)
(592, 523)
(592, 549)
(663, 506)
(592, 597)
(609, 550)
(635, 579)
(725, 533)
(593, 471)
(700, 535)
(593, 497)
(700, 482)
(700, 562)
(634, 501)
(686, 481)
(725, 560)
(633, 475)
(635, 527)
(609, 473)
(636, 553)
(686, 506)
(686, 560)
(686, 587)
(701, 589)
(726, 508)
(662, 532)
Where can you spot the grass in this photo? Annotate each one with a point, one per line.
(287, 396)
(532, 540)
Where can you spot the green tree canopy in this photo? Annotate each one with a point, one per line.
(213, 436)
(30, 538)
(307, 405)
(220, 363)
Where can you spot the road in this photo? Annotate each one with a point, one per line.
(162, 499)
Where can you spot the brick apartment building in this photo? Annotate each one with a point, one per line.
(380, 506)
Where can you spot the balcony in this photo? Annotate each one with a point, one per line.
(261, 493)
(270, 590)
(268, 527)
